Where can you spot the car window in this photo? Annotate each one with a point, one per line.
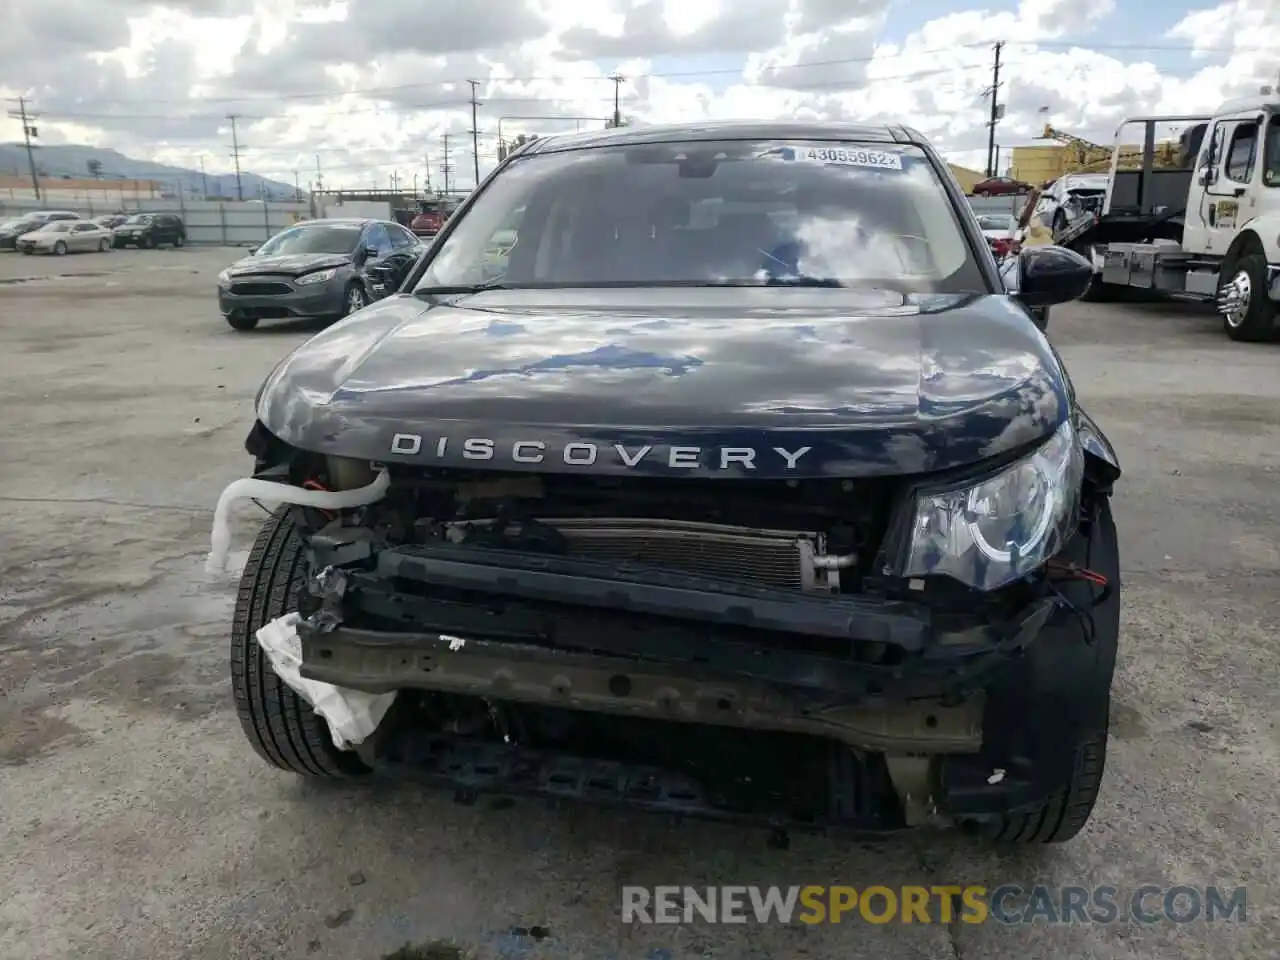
(1271, 156)
(716, 212)
(312, 238)
(1239, 165)
(401, 238)
(378, 239)
(995, 223)
(82, 227)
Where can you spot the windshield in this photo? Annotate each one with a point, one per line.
(732, 212)
(57, 226)
(313, 238)
(139, 218)
(996, 223)
(14, 224)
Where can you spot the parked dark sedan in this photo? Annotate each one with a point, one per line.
(319, 268)
(149, 230)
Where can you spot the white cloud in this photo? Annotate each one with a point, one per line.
(373, 86)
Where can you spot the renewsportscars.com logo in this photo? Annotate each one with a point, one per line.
(1006, 904)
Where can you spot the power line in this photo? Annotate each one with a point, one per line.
(996, 110)
(28, 132)
(475, 130)
(235, 154)
(447, 105)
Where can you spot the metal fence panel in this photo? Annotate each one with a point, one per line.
(998, 206)
(213, 222)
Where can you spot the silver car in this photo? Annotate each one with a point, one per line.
(66, 236)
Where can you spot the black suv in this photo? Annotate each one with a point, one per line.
(149, 230)
(708, 469)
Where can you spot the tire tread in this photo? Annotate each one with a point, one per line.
(280, 726)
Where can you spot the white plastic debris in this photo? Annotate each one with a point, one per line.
(352, 715)
(455, 643)
(269, 492)
(996, 776)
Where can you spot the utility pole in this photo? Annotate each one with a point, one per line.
(475, 131)
(997, 111)
(617, 79)
(235, 153)
(426, 165)
(319, 177)
(204, 180)
(28, 131)
(446, 167)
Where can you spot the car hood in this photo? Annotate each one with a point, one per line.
(18, 231)
(291, 265)
(762, 382)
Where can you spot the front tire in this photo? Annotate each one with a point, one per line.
(238, 321)
(280, 726)
(104, 246)
(1250, 315)
(1062, 665)
(354, 298)
(60, 249)
(179, 240)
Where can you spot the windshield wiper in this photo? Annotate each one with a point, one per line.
(463, 288)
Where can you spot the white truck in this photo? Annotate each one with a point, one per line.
(1209, 230)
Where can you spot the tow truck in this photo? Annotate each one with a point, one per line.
(1207, 229)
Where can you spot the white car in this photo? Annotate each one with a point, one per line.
(996, 228)
(1069, 197)
(66, 236)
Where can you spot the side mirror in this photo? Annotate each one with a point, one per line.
(1050, 275)
(252, 251)
(370, 253)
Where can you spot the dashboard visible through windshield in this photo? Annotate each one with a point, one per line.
(731, 213)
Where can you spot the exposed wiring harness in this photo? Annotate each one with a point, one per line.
(1062, 571)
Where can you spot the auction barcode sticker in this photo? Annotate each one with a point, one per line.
(854, 157)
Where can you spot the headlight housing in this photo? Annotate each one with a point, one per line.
(224, 276)
(320, 276)
(991, 533)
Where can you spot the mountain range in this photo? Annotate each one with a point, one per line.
(76, 160)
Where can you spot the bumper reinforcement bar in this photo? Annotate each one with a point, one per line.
(643, 590)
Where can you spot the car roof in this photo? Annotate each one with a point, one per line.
(342, 221)
(725, 130)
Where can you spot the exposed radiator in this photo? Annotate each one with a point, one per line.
(777, 558)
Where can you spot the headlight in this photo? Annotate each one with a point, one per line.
(224, 276)
(1004, 528)
(320, 276)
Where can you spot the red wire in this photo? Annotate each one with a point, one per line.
(1070, 571)
(315, 485)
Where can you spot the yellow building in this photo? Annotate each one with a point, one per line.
(968, 178)
(1036, 164)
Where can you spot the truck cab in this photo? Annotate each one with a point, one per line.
(1205, 227)
(1235, 194)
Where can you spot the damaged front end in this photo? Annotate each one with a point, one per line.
(748, 650)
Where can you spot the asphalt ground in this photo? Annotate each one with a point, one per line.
(136, 822)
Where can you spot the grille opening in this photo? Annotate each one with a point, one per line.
(739, 529)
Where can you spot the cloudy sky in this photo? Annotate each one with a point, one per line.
(372, 87)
